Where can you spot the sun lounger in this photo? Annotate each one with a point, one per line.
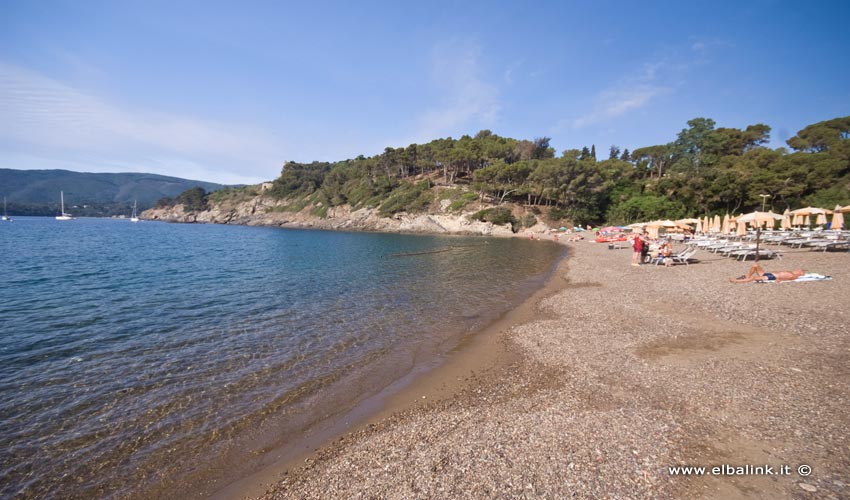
(678, 258)
(763, 253)
(684, 256)
(829, 244)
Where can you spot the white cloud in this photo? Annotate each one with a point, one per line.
(630, 94)
(701, 45)
(53, 125)
(616, 102)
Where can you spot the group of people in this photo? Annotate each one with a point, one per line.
(641, 245)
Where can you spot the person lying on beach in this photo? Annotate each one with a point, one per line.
(757, 273)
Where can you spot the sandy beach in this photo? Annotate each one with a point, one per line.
(607, 379)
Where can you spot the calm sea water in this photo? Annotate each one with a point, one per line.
(136, 358)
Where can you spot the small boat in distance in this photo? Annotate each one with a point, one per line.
(63, 215)
(5, 214)
(134, 218)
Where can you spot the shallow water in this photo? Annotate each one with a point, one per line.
(138, 357)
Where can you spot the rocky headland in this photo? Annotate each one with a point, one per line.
(264, 210)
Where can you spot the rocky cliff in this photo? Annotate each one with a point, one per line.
(264, 210)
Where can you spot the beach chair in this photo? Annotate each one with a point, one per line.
(763, 253)
(684, 256)
(678, 258)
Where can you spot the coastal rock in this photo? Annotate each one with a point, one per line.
(263, 210)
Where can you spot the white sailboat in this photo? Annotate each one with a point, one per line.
(134, 218)
(5, 214)
(63, 215)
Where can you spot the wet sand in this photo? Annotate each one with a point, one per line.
(607, 378)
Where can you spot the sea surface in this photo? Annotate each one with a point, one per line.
(139, 359)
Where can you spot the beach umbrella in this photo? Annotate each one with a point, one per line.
(699, 226)
(716, 225)
(757, 219)
(811, 211)
(770, 222)
(821, 219)
(688, 221)
(742, 227)
(652, 228)
(706, 224)
(661, 223)
(726, 224)
(844, 210)
(837, 218)
(802, 215)
(786, 219)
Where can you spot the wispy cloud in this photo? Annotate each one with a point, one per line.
(630, 94)
(54, 124)
(705, 44)
(508, 75)
(466, 98)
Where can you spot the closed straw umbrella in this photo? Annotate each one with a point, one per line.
(742, 227)
(786, 219)
(726, 227)
(837, 218)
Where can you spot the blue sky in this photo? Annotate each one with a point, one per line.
(226, 91)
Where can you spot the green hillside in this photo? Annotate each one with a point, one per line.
(704, 170)
(36, 192)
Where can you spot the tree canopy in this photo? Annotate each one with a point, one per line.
(704, 170)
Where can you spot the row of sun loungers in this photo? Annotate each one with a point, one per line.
(744, 247)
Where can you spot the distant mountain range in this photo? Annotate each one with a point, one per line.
(36, 192)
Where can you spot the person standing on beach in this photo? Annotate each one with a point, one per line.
(637, 244)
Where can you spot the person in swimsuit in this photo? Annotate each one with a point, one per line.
(757, 273)
(638, 244)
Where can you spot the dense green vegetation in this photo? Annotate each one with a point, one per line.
(705, 170)
(195, 199)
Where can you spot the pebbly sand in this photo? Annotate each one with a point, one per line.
(607, 378)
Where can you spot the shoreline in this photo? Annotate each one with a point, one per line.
(617, 375)
(477, 354)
